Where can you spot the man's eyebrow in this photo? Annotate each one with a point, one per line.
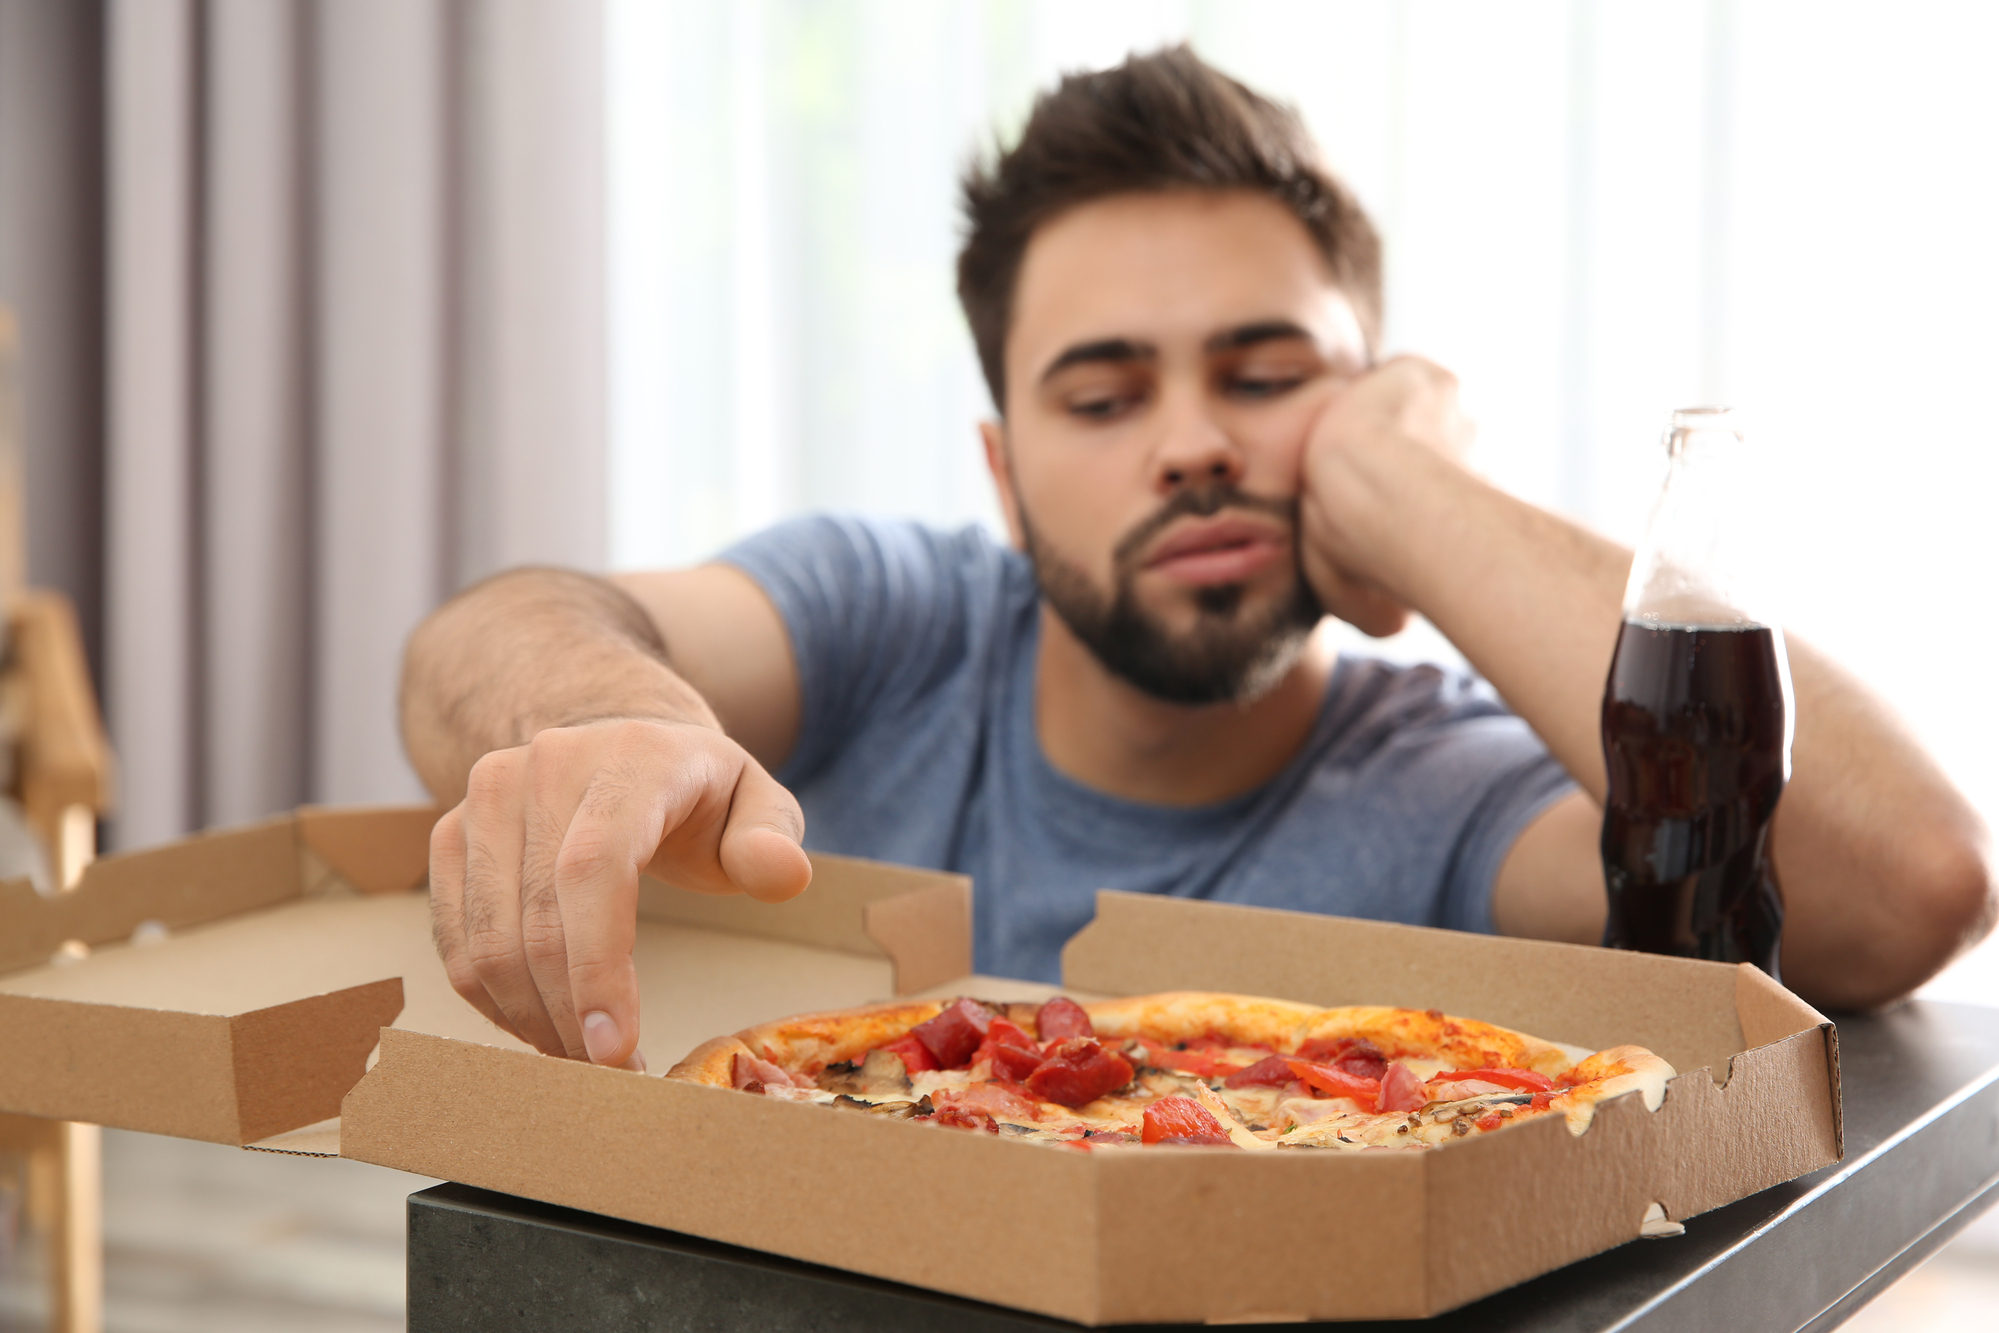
(1104, 349)
(1263, 331)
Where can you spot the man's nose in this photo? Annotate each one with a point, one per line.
(1194, 450)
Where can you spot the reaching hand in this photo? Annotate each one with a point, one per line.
(534, 876)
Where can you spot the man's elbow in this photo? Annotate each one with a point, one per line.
(1943, 902)
(1957, 895)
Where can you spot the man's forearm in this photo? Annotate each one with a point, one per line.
(527, 650)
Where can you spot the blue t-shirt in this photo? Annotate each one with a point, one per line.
(915, 652)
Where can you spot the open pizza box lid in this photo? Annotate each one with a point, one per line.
(292, 943)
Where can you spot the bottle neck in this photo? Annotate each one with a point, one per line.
(1695, 568)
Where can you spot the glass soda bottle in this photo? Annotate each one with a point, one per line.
(1697, 719)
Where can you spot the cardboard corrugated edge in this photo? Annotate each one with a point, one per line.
(921, 920)
(221, 1078)
(321, 1138)
(1772, 1014)
(202, 878)
(744, 1170)
(376, 849)
(294, 1062)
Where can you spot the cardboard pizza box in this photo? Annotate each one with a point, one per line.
(293, 941)
(234, 984)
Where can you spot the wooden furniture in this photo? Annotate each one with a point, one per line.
(61, 774)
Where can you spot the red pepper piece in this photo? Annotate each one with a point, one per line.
(916, 1057)
(1062, 1017)
(1078, 1070)
(1338, 1083)
(1180, 1119)
(953, 1035)
(1524, 1080)
(1273, 1071)
(1402, 1090)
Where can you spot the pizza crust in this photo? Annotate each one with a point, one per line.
(1465, 1042)
(712, 1062)
(1612, 1073)
(1187, 1015)
(807, 1042)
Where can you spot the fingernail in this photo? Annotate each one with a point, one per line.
(601, 1037)
(637, 1064)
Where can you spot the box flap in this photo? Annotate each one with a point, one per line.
(1683, 1010)
(377, 849)
(921, 920)
(222, 1078)
(203, 878)
(262, 987)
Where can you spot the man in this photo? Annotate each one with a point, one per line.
(1176, 308)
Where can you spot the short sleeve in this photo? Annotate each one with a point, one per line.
(1453, 779)
(879, 611)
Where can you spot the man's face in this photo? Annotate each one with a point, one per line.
(1167, 357)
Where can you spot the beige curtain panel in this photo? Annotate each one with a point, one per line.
(349, 261)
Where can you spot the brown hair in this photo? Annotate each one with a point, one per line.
(1165, 121)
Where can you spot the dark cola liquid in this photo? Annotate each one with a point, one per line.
(1693, 734)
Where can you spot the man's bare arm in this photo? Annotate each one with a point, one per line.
(1885, 867)
(523, 651)
(548, 705)
(536, 648)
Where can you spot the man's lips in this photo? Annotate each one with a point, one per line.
(1220, 550)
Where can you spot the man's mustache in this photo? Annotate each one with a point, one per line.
(1200, 502)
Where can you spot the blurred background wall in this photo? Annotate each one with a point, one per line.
(332, 306)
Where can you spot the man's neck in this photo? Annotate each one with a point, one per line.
(1106, 733)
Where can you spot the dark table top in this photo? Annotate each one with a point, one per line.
(1921, 1089)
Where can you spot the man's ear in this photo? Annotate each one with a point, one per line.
(1000, 463)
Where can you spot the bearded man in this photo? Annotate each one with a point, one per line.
(1177, 309)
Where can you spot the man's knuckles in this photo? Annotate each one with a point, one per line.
(494, 781)
(591, 858)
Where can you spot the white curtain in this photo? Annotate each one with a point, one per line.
(356, 338)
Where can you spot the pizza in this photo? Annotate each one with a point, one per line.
(1179, 1069)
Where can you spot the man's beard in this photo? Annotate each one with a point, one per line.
(1230, 655)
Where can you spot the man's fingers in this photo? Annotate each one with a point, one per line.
(537, 904)
(760, 850)
(556, 788)
(447, 918)
(1361, 605)
(614, 834)
(495, 839)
